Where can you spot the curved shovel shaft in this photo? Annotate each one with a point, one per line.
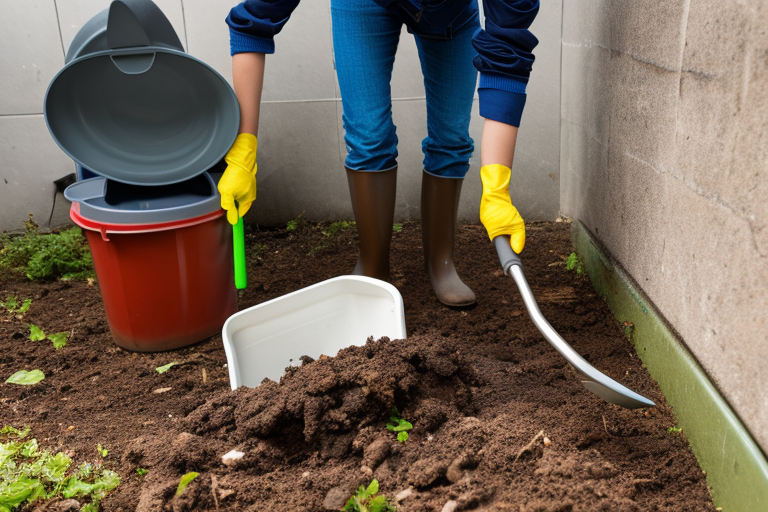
(592, 379)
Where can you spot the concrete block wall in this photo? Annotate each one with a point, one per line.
(664, 158)
(301, 146)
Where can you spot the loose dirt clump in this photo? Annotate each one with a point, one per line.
(499, 420)
(324, 405)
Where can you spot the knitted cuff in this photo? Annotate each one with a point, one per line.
(244, 43)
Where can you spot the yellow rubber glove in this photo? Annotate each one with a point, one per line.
(238, 183)
(496, 211)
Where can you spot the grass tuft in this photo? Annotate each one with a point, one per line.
(63, 254)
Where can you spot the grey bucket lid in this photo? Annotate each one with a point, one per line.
(132, 106)
(131, 23)
(112, 202)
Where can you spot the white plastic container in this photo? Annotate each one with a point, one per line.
(261, 341)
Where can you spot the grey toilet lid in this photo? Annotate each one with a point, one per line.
(131, 105)
(148, 116)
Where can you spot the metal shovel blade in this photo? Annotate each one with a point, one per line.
(592, 379)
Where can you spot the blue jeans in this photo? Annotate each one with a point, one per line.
(365, 38)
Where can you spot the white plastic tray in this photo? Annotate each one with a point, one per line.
(261, 341)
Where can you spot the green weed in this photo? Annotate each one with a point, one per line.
(62, 254)
(331, 233)
(165, 367)
(24, 378)
(258, 250)
(397, 227)
(184, 482)
(399, 425)
(369, 500)
(296, 224)
(675, 431)
(17, 433)
(629, 329)
(141, 471)
(102, 451)
(337, 228)
(13, 307)
(30, 475)
(572, 262)
(58, 339)
(36, 333)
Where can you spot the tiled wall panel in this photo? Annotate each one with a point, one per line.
(301, 139)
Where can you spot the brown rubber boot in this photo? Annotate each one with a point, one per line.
(439, 207)
(373, 204)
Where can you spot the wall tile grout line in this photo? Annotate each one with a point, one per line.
(26, 114)
(58, 24)
(184, 24)
(560, 112)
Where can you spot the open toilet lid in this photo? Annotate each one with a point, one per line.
(137, 109)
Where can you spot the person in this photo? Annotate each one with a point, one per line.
(452, 48)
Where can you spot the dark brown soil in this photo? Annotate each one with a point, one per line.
(500, 422)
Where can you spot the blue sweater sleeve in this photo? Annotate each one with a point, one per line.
(254, 23)
(504, 58)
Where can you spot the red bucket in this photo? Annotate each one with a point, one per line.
(164, 285)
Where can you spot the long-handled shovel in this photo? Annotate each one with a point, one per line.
(592, 379)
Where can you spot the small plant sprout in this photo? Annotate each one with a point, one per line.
(572, 262)
(166, 367)
(397, 227)
(258, 251)
(368, 499)
(629, 329)
(26, 378)
(36, 333)
(102, 451)
(14, 308)
(675, 431)
(185, 481)
(297, 223)
(8, 431)
(24, 306)
(399, 425)
(331, 234)
(338, 227)
(141, 471)
(10, 303)
(59, 339)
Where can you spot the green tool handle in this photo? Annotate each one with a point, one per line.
(238, 244)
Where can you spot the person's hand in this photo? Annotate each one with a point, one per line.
(238, 183)
(496, 211)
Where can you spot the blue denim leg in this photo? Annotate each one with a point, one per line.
(449, 83)
(365, 40)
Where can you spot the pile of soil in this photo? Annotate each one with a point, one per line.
(499, 420)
